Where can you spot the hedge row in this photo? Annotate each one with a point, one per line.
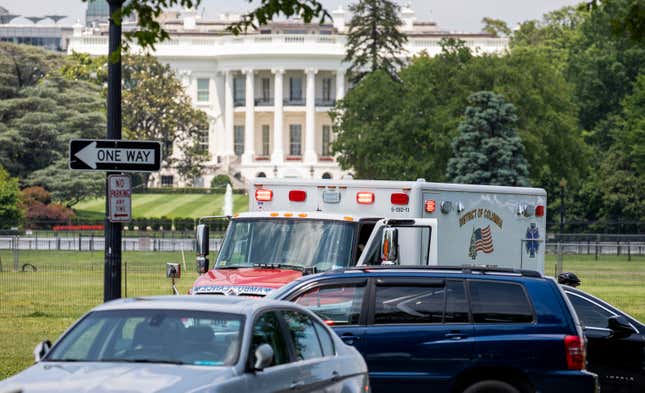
(186, 190)
(156, 223)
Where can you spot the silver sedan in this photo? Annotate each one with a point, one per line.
(195, 344)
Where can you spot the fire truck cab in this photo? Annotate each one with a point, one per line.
(297, 227)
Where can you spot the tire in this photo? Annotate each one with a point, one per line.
(491, 387)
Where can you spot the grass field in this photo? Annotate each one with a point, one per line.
(39, 305)
(167, 205)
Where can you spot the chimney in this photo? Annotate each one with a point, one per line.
(407, 16)
(189, 17)
(339, 18)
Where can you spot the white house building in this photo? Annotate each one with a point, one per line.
(267, 93)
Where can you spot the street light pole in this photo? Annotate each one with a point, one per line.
(112, 264)
(563, 185)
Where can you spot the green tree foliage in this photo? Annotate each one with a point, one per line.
(39, 116)
(496, 27)
(374, 41)
(488, 149)
(10, 206)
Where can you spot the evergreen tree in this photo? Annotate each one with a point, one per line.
(488, 149)
(373, 40)
(10, 208)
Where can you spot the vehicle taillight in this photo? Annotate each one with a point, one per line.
(329, 322)
(297, 196)
(365, 198)
(575, 352)
(263, 195)
(399, 198)
(539, 211)
(430, 205)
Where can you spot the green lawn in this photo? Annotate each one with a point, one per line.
(167, 205)
(42, 304)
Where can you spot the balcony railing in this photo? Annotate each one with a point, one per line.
(264, 102)
(294, 102)
(325, 102)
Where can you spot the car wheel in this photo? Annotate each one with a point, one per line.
(491, 387)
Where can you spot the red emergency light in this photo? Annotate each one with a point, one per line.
(365, 198)
(399, 198)
(539, 211)
(297, 195)
(430, 205)
(263, 195)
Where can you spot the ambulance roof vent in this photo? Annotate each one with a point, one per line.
(421, 180)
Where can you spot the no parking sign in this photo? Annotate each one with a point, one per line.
(119, 198)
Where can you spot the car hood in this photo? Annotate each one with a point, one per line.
(83, 377)
(243, 281)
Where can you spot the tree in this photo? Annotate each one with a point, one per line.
(496, 27)
(10, 207)
(65, 188)
(488, 149)
(374, 40)
(23, 66)
(150, 32)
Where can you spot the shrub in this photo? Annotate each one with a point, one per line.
(220, 182)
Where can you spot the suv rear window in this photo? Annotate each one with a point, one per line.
(499, 302)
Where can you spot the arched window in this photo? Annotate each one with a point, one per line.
(261, 174)
(326, 175)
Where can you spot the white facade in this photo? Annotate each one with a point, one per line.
(267, 94)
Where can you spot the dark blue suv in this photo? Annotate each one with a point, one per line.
(442, 329)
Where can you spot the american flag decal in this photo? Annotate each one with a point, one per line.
(481, 240)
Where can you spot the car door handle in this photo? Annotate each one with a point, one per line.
(296, 385)
(349, 338)
(455, 335)
(335, 376)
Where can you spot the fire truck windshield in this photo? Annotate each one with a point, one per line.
(319, 244)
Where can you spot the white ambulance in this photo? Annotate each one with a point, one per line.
(298, 226)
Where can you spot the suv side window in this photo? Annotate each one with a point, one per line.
(266, 330)
(590, 314)
(340, 304)
(499, 302)
(303, 334)
(456, 302)
(409, 304)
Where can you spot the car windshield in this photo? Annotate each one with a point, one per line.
(153, 336)
(321, 244)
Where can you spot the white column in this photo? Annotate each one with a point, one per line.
(228, 115)
(249, 123)
(340, 84)
(310, 118)
(277, 155)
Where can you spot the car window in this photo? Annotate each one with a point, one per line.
(326, 342)
(338, 304)
(266, 330)
(303, 334)
(409, 304)
(456, 302)
(499, 302)
(590, 315)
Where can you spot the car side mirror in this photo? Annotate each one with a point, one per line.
(263, 357)
(41, 350)
(389, 245)
(201, 237)
(620, 326)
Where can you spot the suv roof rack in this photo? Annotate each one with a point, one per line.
(466, 269)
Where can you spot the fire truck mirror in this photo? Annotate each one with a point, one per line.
(201, 237)
(202, 264)
(390, 245)
(173, 270)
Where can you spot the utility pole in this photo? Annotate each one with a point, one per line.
(112, 266)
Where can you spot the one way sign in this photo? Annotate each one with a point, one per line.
(114, 155)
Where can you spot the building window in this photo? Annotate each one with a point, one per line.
(266, 89)
(266, 139)
(202, 89)
(239, 91)
(326, 175)
(326, 141)
(203, 140)
(295, 89)
(166, 181)
(295, 140)
(238, 140)
(326, 89)
(261, 174)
